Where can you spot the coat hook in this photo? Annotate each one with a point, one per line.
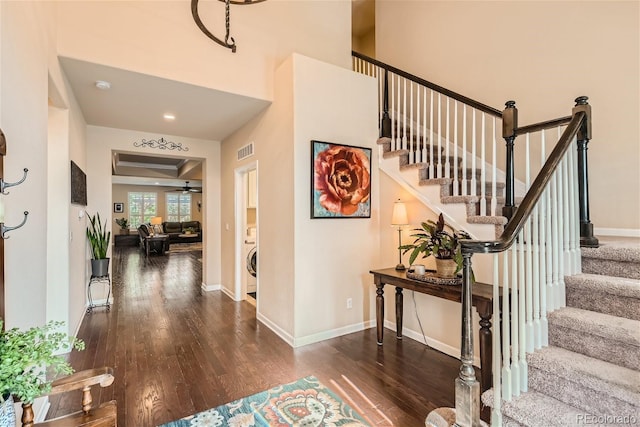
(4, 229)
(4, 185)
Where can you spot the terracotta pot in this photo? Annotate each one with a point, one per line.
(446, 268)
(124, 231)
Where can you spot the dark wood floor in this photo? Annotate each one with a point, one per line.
(176, 350)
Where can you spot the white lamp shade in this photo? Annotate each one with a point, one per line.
(156, 220)
(399, 215)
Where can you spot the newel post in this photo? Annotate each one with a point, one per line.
(385, 125)
(509, 126)
(584, 135)
(467, 387)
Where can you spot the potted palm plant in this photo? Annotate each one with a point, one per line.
(28, 364)
(99, 239)
(434, 239)
(124, 225)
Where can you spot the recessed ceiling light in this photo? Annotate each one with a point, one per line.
(103, 85)
(169, 116)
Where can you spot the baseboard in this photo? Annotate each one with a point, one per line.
(209, 288)
(431, 342)
(333, 333)
(616, 232)
(286, 337)
(228, 293)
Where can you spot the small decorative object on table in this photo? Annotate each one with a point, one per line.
(124, 225)
(433, 239)
(430, 276)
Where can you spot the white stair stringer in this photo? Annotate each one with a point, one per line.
(455, 214)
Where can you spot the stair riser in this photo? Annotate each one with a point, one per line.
(630, 270)
(448, 190)
(615, 305)
(595, 346)
(590, 400)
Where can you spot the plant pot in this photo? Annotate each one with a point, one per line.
(446, 268)
(99, 267)
(7, 412)
(124, 231)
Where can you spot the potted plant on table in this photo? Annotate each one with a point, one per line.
(434, 239)
(99, 239)
(124, 225)
(28, 364)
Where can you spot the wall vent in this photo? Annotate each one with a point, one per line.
(246, 151)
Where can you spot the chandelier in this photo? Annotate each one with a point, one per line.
(228, 42)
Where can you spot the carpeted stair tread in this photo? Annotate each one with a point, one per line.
(617, 296)
(535, 409)
(613, 258)
(604, 377)
(605, 337)
(478, 219)
(614, 251)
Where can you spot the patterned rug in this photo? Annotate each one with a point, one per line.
(184, 247)
(303, 403)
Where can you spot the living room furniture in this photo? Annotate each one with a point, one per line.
(104, 415)
(149, 242)
(177, 231)
(123, 240)
(99, 279)
(482, 300)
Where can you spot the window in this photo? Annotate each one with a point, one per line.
(142, 207)
(178, 207)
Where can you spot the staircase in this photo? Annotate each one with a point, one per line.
(590, 372)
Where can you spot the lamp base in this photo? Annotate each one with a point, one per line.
(400, 267)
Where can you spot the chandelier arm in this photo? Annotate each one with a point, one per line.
(200, 24)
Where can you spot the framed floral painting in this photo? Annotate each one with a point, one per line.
(340, 181)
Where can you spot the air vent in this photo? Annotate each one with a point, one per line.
(246, 151)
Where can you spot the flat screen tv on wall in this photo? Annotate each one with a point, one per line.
(78, 185)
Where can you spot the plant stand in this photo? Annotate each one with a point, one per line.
(97, 279)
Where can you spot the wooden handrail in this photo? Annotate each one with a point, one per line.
(525, 209)
(451, 94)
(543, 125)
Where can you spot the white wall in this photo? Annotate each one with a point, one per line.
(332, 256)
(543, 55)
(102, 141)
(161, 39)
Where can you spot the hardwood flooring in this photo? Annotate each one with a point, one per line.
(177, 350)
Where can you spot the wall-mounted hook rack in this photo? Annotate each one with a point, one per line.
(4, 229)
(4, 185)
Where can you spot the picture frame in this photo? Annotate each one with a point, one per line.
(78, 185)
(340, 181)
(118, 207)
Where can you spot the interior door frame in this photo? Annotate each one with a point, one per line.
(240, 217)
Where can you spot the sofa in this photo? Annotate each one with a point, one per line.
(152, 243)
(178, 231)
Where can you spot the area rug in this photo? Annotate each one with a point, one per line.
(184, 247)
(303, 403)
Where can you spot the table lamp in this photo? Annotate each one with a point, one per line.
(399, 219)
(156, 223)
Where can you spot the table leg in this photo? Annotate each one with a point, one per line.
(485, 311)
(399, 313)
(379, 311)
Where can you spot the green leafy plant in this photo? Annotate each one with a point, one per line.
(122, 222)
(434, 239)
(28, 363)
(98, 236)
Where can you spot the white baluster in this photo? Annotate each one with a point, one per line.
(418, 158)
(496, 412)
(560, 215)
(447, 163)
(391, 113)
(424, 127)
(566, 206)
(431, 160)
(522, 315)
(380, 77)
(473, 153)
(507, 381)
(464, 150)
(494, 172)
(483, 171)
(404, 114)
(439, 168)
(575, 213)
(544, 263)
(535, 241)
(410, 131)
(515, 324)
(529, 285)
(550, 302)
(456, 182)
(555, 217)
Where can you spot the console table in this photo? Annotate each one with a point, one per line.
(482, 300)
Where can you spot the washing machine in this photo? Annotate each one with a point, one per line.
(251, 260)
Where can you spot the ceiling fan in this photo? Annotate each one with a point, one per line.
(186, 189)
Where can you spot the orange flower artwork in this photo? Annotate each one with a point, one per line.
(341, 181)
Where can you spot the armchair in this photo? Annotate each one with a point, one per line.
(104, 415)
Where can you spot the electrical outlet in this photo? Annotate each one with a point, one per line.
(349, 303)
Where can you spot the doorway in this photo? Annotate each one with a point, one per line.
(246, 238)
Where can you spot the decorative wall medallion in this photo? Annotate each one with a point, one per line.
(161, 144)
